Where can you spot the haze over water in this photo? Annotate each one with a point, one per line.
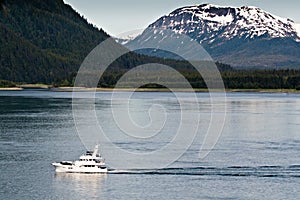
(256, 157)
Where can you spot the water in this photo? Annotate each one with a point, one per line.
(256, 157)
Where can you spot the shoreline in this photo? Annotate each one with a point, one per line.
(204, 90)
(11, 89)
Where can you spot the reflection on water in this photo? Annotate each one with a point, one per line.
(87, 186)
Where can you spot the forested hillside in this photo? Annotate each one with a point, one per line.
(43, 41)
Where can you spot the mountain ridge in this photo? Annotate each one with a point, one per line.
(235, 35)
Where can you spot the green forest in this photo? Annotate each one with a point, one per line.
(232, 78)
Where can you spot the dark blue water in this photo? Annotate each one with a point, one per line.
(256, 157)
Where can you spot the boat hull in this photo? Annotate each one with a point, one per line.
(77, 169)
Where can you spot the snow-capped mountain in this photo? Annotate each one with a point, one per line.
(126, 37)
(208, 23)
(241, 36)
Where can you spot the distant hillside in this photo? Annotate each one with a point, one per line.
(43, 41)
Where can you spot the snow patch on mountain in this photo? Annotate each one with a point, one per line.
(297, 28)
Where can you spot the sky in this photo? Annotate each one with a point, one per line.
(119, 16)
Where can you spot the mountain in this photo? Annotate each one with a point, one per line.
(244, 37)
(46, 42)
(43, 41)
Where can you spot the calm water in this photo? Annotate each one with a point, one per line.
(256, 157)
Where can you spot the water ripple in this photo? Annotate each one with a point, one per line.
(292, 171)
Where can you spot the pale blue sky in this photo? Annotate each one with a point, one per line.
(118, 16)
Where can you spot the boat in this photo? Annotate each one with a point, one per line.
(90, 162)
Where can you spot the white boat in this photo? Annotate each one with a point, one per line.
(91, 162)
